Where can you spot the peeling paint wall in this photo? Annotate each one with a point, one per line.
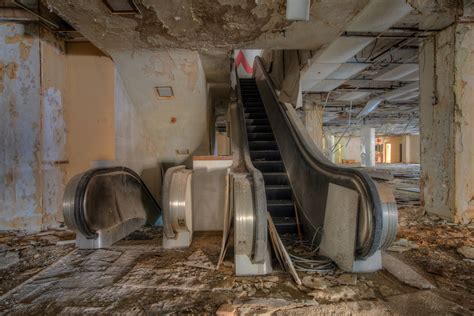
(464, 122)
(20, 127)
(446, 112)
(32, 127)
(174, 128)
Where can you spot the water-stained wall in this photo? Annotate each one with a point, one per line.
(447, 113)
(32, 127)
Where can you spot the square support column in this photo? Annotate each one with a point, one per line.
(447, 123)
(367, 146)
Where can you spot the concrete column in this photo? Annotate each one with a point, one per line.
(367, 145)
(446, 123)
(313, 119)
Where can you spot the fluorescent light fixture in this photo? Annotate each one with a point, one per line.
(297, 10)
(164, 92)
(380, 15)
(342, 49)
(398, 72)
(371, 106)
(353, 96)
(121, 6)
(401, 91)
(325, 85)
(319, 71)
(347, 71)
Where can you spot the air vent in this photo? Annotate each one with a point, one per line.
(164, 92)
(121, 6)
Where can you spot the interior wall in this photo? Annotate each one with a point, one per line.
(89, 111)
(20, 127)
(32, 127)
(176, 128)
(395, 142)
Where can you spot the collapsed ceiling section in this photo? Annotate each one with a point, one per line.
(213, 28)
(370, 75)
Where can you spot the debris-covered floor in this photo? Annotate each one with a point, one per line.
(429, 270)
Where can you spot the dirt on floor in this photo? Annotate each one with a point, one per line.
(23, 255)
(45, 274)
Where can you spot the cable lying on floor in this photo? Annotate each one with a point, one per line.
(305, 257)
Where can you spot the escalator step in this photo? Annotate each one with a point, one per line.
(257, 122)
(263, 145)
(278, 192)
(254, 110)
(260, 136)
(254, 116)
(285, 225)
(269, 166)
(281, 208)
(275, 178)
(258, 129)
(253, 105)
(266, 155)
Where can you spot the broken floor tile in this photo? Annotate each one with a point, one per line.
(404, 272)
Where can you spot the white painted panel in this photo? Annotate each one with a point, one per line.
(326, 85)
(342, 49)
(347, 71)
(319, 71)
(379, 15)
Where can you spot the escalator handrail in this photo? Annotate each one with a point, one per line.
(80, 222)
(259, 195)
(347, 177)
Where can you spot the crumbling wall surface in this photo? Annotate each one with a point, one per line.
(436, 123)
(32, 127)
(464, 122)
(54, 158)
(20, 127)
(173, 128)
(446, 111)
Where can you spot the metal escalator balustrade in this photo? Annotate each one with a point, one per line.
(104, 205)
(265, 156)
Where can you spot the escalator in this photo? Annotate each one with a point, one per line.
(265, 156)
(305, 193)
(104, 205)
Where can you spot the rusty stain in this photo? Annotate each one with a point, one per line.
(13, 39)
(173, 120)
(12, 110)
(11, 70)
(8, 178)
(24, 51)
